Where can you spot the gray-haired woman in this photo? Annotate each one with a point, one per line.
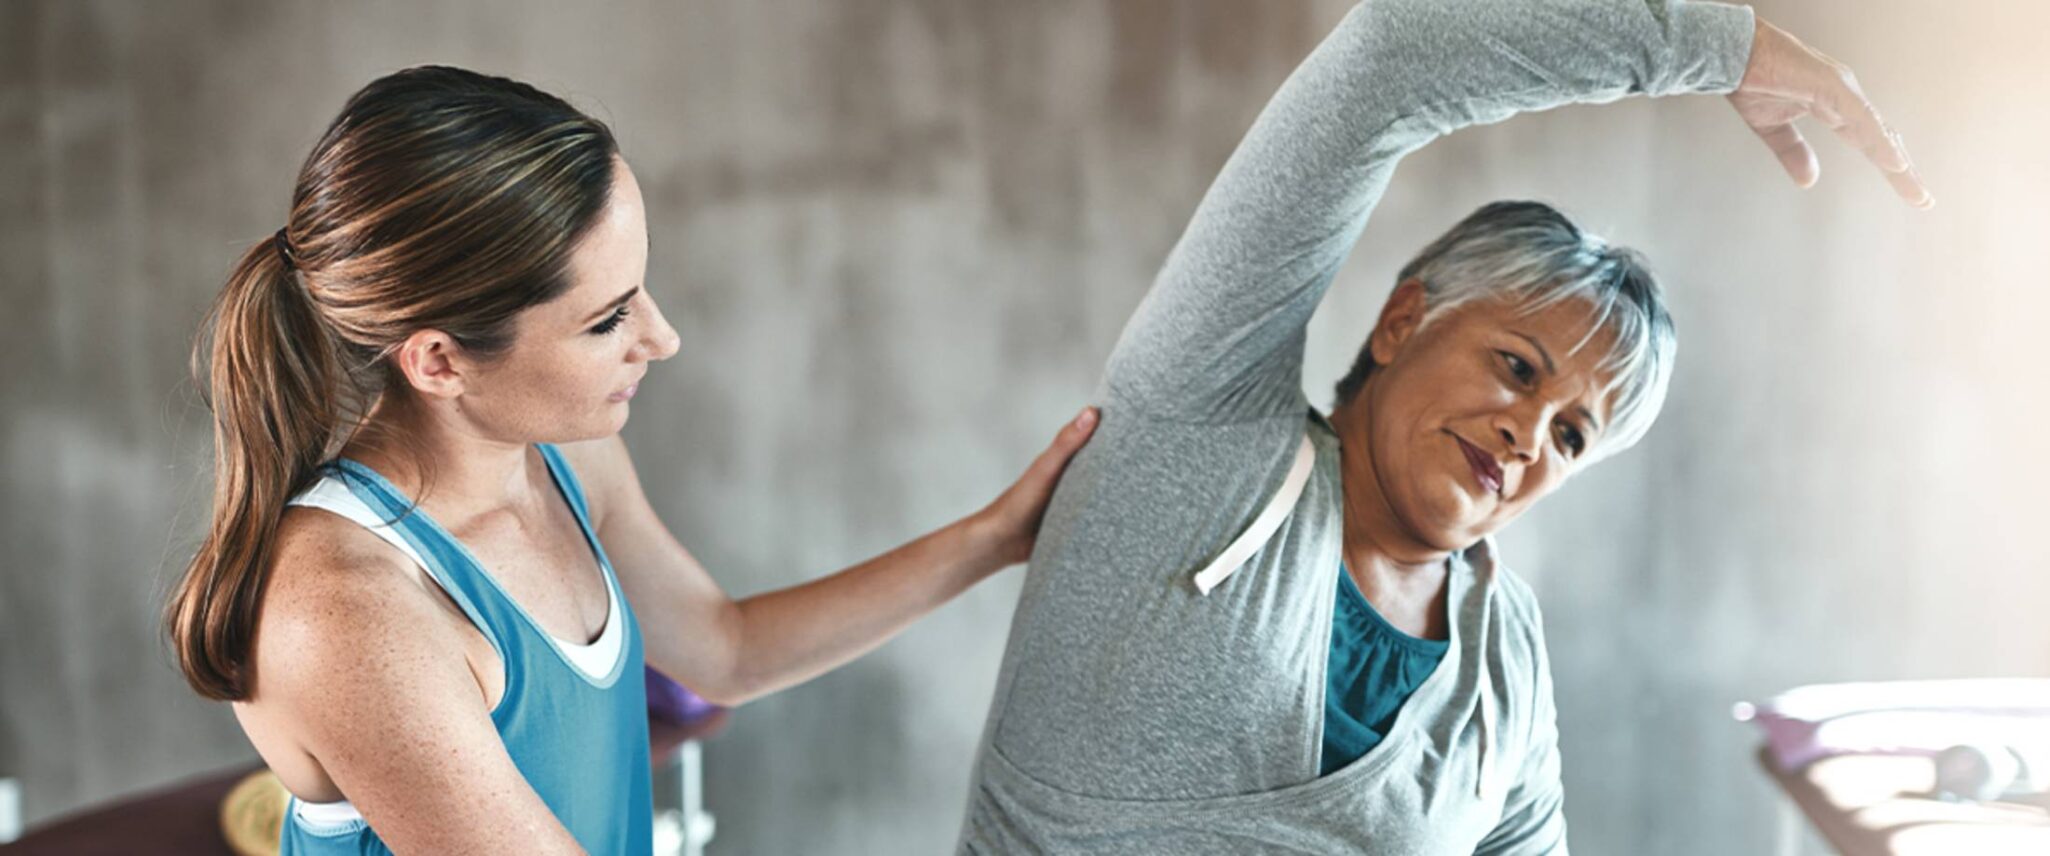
(1248, 628)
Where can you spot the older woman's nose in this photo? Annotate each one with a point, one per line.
(1523, 441)
(1509, 439)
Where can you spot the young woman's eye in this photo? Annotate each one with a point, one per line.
(1519, 367)
(611, 322)
(1571, 437)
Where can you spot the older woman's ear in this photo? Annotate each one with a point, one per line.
(1400, 318)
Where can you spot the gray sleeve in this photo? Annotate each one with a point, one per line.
(1219, 337)
(1534, 811)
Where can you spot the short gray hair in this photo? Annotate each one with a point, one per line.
(1529, 254)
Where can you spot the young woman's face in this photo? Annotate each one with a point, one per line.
(1473, 418)
(576, 360)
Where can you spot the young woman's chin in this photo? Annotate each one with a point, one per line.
(612, 417)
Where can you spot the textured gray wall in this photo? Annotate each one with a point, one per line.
(898, 239)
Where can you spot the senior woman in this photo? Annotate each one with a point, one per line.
(431, 570)
(1248, 628)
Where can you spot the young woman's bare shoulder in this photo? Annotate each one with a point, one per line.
(363, 673)
(338, 595)
(320, 552)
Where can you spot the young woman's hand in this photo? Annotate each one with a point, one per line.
(1787, 80)
(1012, 521)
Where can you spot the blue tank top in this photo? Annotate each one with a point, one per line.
(581, 742)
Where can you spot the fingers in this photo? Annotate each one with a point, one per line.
(1793, 151)
(1075, 433)
(1072, 437)
(1909, 186)
(1854, 119)
(1786, 77)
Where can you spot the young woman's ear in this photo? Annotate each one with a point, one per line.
(432, 363)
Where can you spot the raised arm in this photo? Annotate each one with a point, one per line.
(1219, 337)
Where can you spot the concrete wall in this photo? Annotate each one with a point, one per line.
(898, 239)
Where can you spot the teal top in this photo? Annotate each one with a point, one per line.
(1374, 668)
(582, 743)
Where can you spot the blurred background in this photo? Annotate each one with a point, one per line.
(898, 239)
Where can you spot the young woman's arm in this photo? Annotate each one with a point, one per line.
(731, 651)
(370, 672)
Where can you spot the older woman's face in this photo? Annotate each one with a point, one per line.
(1471, 419)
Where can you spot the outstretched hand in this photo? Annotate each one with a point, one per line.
(1787, 80)
(1015, 515)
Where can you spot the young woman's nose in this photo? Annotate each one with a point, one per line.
(658, 340)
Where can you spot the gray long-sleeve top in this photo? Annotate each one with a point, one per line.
(1134, 714)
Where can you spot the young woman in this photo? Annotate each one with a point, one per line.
(430, 559)
(1251, 629)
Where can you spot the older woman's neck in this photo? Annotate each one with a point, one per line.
(1376, 541)
(1406, 582)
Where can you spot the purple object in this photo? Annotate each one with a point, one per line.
(673, 703)
(1900, 717)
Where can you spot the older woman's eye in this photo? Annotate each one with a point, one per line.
(1571, 436)
(1519, 367)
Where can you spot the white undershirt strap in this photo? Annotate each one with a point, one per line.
(595, 658)
(1263, 526)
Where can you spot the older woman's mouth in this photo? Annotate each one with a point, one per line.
(1485, 469)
